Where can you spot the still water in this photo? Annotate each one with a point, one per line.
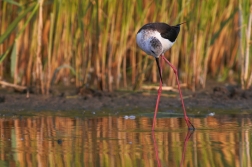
(89, 139)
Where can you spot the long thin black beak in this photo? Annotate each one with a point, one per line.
(159, 70)
(181, 23)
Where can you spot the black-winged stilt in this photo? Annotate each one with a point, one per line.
(155, 39)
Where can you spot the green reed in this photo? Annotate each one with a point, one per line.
(96, 39)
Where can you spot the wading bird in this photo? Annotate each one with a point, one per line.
(155, 39)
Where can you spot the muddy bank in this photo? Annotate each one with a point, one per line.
(218, 96)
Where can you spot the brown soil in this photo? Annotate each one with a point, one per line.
(216, 96)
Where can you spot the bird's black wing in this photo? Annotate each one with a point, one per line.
(167, 31)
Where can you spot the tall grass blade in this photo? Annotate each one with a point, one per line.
(4, 55)
(13, 3)
(13, 60)
(13, 25)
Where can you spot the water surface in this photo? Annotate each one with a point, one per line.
(102, 139)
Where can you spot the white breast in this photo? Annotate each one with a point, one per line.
(165, 42)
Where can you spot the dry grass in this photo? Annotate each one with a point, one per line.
(93, 42)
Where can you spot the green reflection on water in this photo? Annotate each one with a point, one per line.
(108, 138)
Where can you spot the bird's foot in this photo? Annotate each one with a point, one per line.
(189, 124)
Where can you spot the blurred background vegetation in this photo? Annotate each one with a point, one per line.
(92, 44)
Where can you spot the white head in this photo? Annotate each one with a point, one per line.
(155, 47)
(149, 43)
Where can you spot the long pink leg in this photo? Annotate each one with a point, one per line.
(158, 97)
(189, 124)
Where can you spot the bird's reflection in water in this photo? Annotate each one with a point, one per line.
(188, 136)
(155, 148)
